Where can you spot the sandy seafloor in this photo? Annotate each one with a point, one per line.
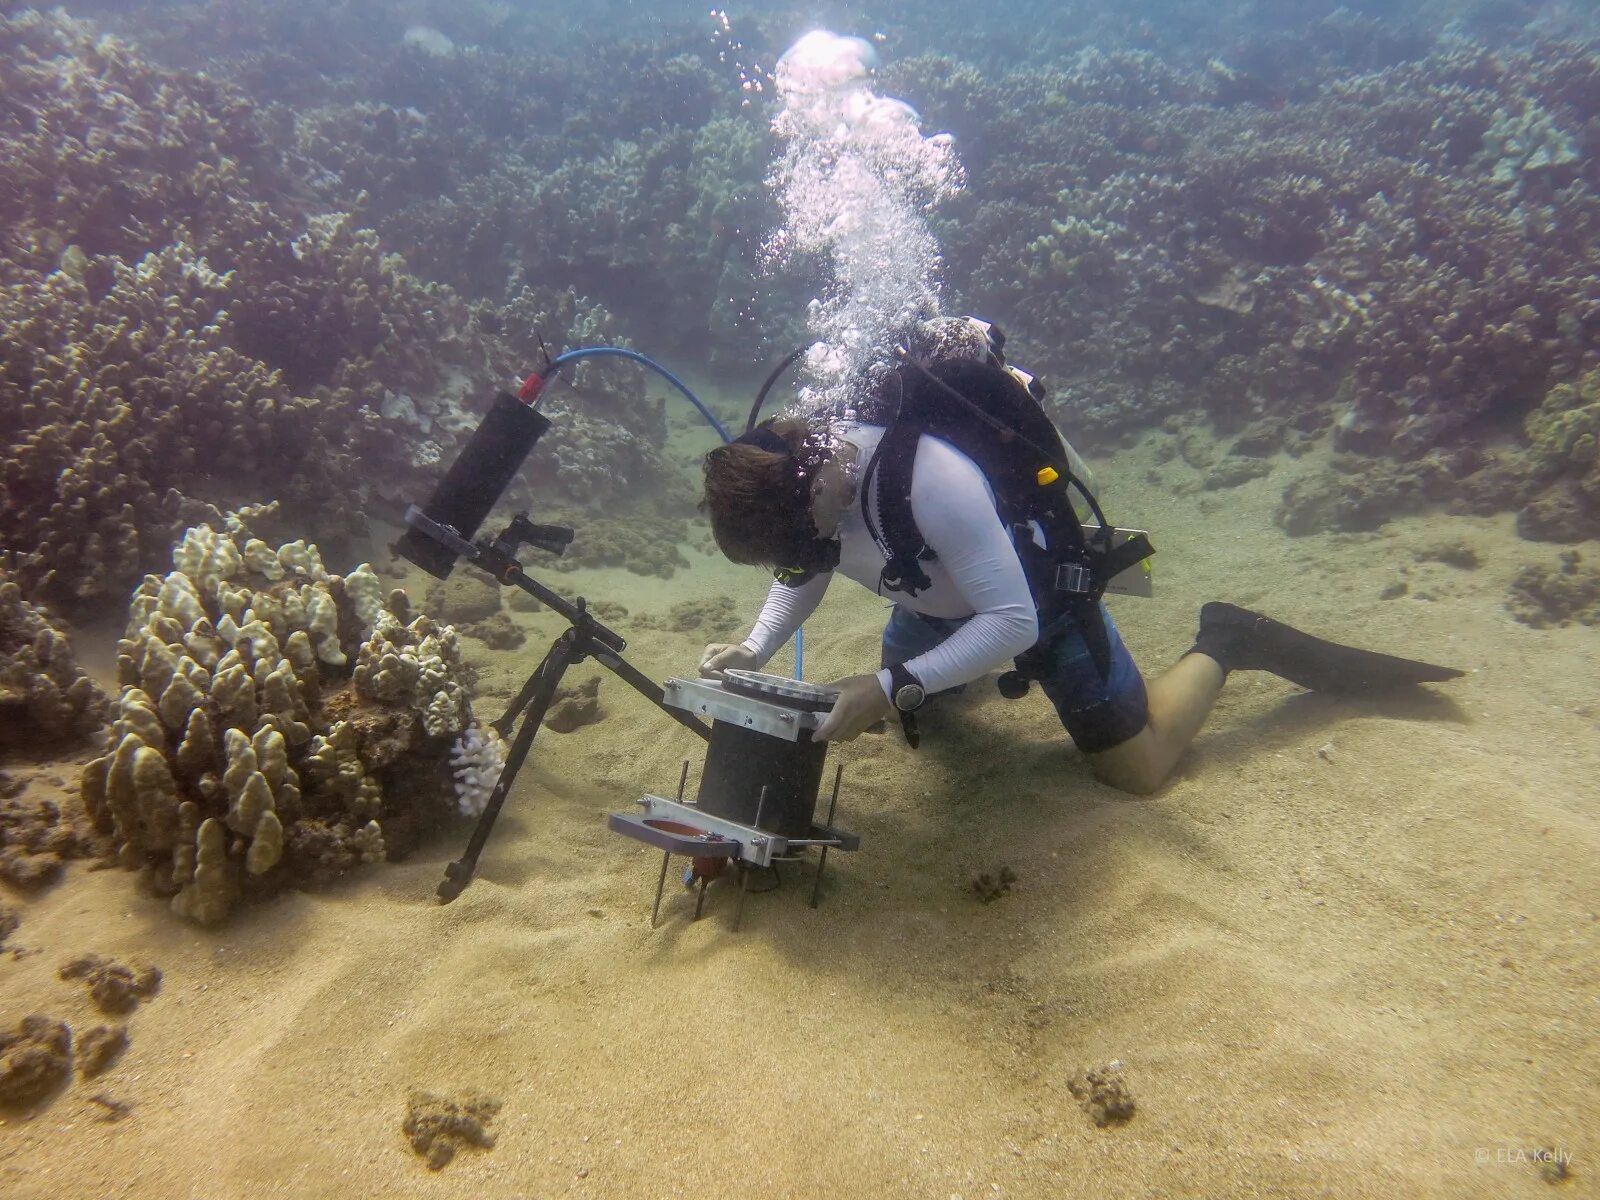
(1352, 950)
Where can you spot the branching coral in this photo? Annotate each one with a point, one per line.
(478, 758)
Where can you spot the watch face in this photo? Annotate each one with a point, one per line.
(908, 698)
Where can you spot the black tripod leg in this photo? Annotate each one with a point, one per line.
(525, 697)
(540, 690)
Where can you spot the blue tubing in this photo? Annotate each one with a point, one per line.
(634, 356)
(572, 356)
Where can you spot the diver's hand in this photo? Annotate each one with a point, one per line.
(860, 706)
(719, 657)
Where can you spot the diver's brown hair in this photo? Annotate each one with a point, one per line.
(759, 501)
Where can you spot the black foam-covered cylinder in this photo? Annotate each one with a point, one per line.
(741, 762)
(475, 481)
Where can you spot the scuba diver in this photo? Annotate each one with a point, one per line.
(952, 494)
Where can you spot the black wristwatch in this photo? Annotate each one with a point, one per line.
(905, 689)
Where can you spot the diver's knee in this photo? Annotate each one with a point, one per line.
(1137, 781)
(1132, 767)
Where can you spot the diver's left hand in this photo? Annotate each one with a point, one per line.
(860, 706)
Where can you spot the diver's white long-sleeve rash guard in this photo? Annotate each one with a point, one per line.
(977, 573)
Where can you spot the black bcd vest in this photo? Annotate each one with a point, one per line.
(990, 416)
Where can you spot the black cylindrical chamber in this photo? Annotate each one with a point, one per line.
(741, 762)
(474, 483)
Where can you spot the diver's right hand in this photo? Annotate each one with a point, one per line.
(719, 657)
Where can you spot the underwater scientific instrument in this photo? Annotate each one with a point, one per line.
(494, 454)
(757, 802)
(758, 792)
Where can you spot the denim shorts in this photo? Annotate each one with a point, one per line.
(1098, 713)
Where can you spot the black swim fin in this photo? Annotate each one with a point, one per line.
(1241, 640)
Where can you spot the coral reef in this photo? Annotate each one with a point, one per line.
(1393, 241)
(635, 173)
(1323, 223)
(33, 1060)
(277, 725)
(438, 1126)
(650, 194)
(44, 698)
(176, 326)
(645, 542)
(1564, 446)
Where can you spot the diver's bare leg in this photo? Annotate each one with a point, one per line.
(1180, 699)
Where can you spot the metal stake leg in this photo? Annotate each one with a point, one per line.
(661, 883)
(816, 886)
(744, 888)
(700, 900)
(666, 857)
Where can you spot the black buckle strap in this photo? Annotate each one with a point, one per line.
(1135, 550)
(1089, 576)
(1075, 577)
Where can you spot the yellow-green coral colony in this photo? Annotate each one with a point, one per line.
(218, 760)
(1564, 432)
(44, 696)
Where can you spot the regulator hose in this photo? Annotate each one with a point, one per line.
(535, 384)
(572, 356)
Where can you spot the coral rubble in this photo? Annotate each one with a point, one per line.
(277, 725)
(438, 1126)
(467, 596)
(574, 707)
(113, 987)
(99, 1048)
(706, 616)
(989, 888)
(34, 1059)
(37, 838)
(1542, 596)
(1104, 1095)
